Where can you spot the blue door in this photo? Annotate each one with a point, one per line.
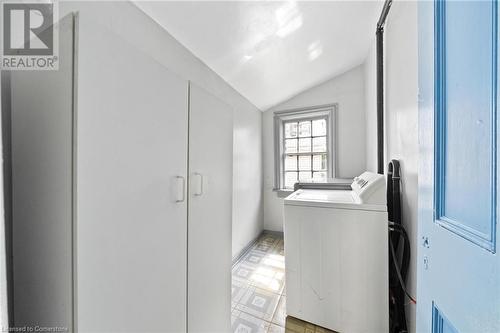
(458, 263)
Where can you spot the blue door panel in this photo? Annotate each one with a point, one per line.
(466, 119)
(440, 324)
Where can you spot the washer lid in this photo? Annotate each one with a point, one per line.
(339, 196)
(330, 199)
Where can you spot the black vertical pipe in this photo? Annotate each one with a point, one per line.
(380, 99)
(380, 85)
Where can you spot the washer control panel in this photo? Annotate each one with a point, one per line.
(360, 182)
(369, 187)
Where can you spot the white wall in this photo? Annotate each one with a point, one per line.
(129, 22)
(248, 206)
(348, 90)
(371, 109)
(401, 117)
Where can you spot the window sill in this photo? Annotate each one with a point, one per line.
(283, 193)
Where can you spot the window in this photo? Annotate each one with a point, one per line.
(304, 146)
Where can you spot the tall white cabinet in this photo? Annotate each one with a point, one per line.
(148, 170)
(210, 207)
(131, 219)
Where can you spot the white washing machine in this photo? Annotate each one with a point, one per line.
(336, 256)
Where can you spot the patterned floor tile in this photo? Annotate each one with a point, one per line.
(258, 293)
(243, 272)
(276, 329)
(279, 248)
(268, 278)
(259, 303)
(265, 247)
(278, 251)
(238, 290)
(242, 322)
(279, 317)
(267, 243)
(269, 239)
(254, 257)
(274, 260)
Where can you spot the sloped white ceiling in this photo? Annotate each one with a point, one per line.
(270, 51)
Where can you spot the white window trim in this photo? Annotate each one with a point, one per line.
(330, 111)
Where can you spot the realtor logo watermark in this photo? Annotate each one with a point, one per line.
(30, 37)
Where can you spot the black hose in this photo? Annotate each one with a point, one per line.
(398, 271)
(394, 196)
(405, 262)
(401, 272)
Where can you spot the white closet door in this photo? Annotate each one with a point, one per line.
(132, 213)
(210, 207)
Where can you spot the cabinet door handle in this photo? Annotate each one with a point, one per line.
(199, 186)
(181, 190)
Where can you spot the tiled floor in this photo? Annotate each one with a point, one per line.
(258, 291)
